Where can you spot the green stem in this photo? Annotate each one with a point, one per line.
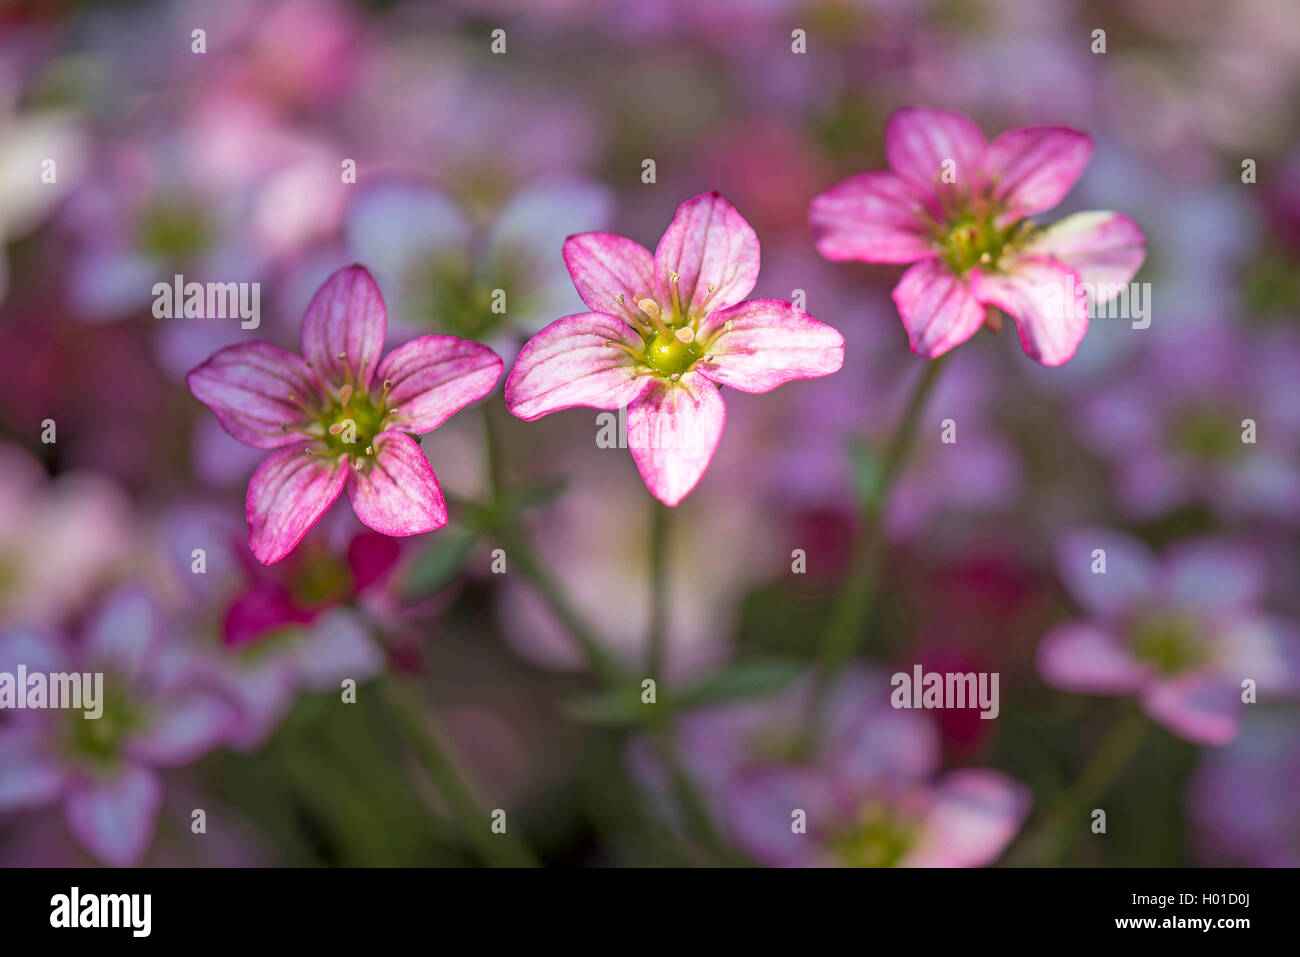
(492, 454)
(687, 794)
(430, 745)
(1056, 835)
(660, 520)
(521, 553)
(602, 664)
(856, 599)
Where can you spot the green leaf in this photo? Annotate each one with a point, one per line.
(441, 563)
(617, 707)
(868, 470)
(533, 494)
(744, 679)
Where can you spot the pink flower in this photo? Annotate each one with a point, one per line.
(1181, 632)
(342, 416)
(665, 331)
(155, 711)
(957, 208)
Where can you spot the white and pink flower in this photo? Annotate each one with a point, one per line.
(666, 330)
(339, 415)
(957, 208)
(1182, 632)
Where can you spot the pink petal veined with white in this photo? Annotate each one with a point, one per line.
(673, 431)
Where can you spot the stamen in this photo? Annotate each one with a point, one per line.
(677, 303)
(300, 404)
(651, 309)
(703, 311)
(626, 348)
(336, 428)
(685, 335)
(347, 369)
(345, 394)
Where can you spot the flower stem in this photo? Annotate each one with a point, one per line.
(430, 745)
(602, 664)
(1056, 835)
(663, 734)
(856, 600)
(521, 553)
(660, 522)
(492, 455)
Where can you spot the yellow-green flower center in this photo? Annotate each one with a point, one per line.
(100, 740)
(671, 343)
(880, 837)
(348, 420)
(974, 239)
(672, 352)
(1171, 642)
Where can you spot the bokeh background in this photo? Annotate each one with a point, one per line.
(471, 169)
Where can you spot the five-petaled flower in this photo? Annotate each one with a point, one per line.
(957, 208)
(340, 415)
(1183, 632)
(665, 331)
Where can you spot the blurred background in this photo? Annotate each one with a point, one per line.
(121, 499)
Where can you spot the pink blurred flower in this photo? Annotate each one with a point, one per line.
(440, 263)
(957, 208)
(1182, 632)
(60, 541)
(871, 790)
(1241, 801)
(328, 427)
(267, 634)
(156, 713)
(667, 329)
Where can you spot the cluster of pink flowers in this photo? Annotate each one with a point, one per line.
(667, 329)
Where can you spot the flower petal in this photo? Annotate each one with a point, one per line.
(1082, 658)
(920, 140)
(1213, 576)
(974, 816)
(757, 806)
(346, 318)
(766, 343)
(397, 494)
(1046, 301)
(937, 308)
(123, 632)
(872, 217)
(605, 266)
(1201, 707)
(287, 495)
(337, 646)
(114, 817)
(32, 776)
(707, 243)
(247, 386)
(1129, 575)
(1103, 248)
(184, 728)
(673, 431)
(398, 226)
(435, 377)
(571, 362)
(1033, 167)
